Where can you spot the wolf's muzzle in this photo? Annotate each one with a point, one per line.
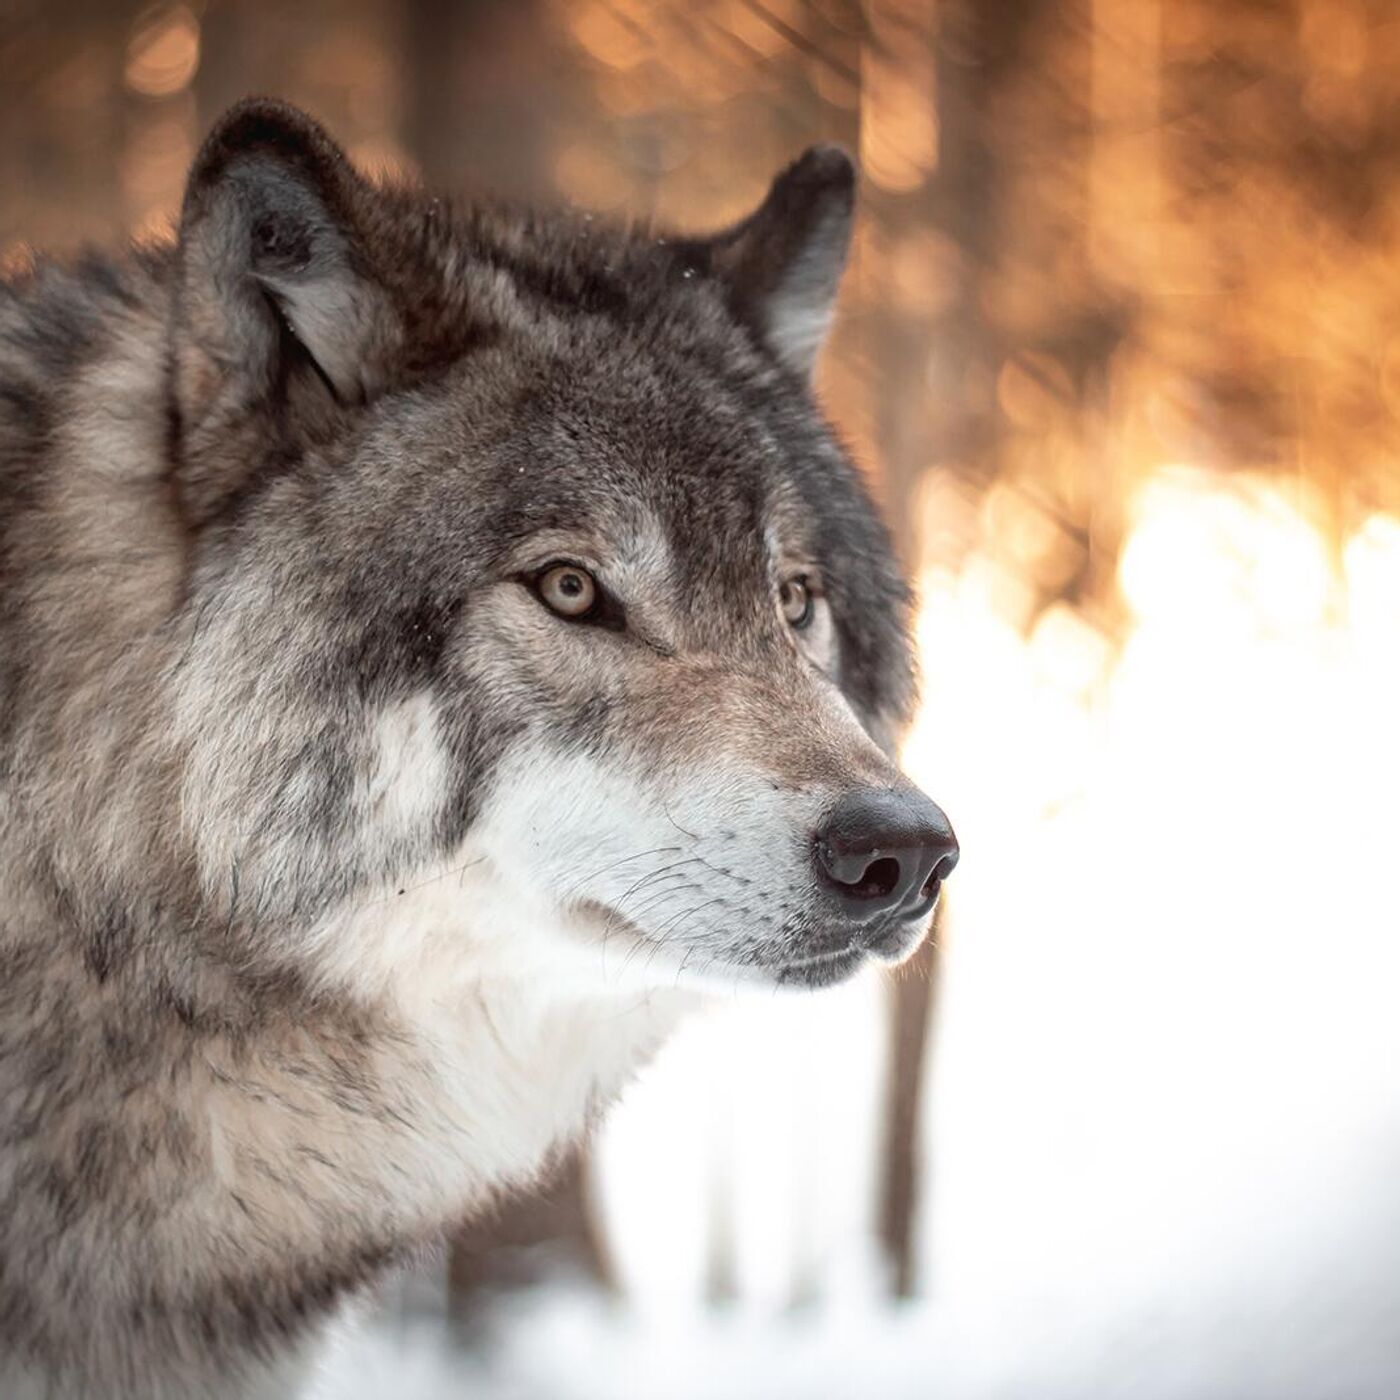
(884, 852)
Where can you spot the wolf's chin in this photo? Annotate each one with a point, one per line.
(900, 941)
(822, 970)
(889, 948)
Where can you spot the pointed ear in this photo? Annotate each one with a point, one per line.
(784, 262)
(274, 287)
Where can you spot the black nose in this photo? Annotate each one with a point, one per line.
(883, 851)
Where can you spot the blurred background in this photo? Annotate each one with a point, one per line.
(1120, 350)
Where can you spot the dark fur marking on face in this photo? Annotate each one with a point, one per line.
(585, 726)
(421, 633)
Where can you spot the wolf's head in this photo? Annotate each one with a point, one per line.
(535, 607)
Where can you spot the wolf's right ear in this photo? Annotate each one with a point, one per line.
(272, 269)
(784, 262)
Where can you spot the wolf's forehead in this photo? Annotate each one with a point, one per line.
(705, 474)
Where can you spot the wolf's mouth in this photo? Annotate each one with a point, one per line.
(830, 959)
(820, 956)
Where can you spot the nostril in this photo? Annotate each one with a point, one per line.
(878, 880)
(942, 868)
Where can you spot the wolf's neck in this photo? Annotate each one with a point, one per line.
(194, 1193)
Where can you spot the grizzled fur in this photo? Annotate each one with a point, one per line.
(340, 880)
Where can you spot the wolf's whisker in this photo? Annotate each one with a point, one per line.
(624, 860)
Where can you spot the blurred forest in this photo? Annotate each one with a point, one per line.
(1103, 244)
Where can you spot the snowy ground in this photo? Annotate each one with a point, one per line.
(1286, 1339)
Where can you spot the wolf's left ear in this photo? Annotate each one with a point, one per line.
(275, 288)
(784, 262)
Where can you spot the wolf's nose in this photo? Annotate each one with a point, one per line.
(883, 851)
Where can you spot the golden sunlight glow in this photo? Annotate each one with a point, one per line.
(899, 115)
(163, 55)
(1169, 926)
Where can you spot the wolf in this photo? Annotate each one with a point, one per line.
(437, 644)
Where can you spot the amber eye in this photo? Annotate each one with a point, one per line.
(797, 602)
(568, 590)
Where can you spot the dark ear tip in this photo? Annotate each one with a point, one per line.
(265, 121)
(263, 125)
(827, 166)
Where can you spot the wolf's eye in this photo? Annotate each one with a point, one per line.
(797, 602)
(568, 590)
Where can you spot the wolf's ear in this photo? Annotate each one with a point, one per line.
(273, 280)
(784, 262)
